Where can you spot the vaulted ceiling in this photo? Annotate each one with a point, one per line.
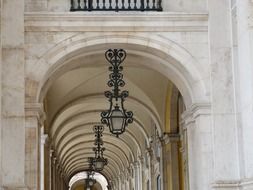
(74, 103)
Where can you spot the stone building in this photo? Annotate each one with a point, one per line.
(189, 73)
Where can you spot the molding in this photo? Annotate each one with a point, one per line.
(244, 184)
(226, 184)
(44, 139)
(171, 138)
(93, 21)
(35, 110)
(195, 110)
(247, 184)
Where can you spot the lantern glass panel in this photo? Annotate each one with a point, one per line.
(91, 182)
(99, 165)
(117, 120)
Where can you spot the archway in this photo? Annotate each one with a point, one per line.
(73, 102)
(78, 181)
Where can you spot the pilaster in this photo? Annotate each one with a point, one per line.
(224, 123)
(245, 86)
(12, 95)
(34, 118)
(44, 138)
(197, 123)
(170, 159)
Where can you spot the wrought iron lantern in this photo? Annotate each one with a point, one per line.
(90, 181)
(117, 117)
(98, 162)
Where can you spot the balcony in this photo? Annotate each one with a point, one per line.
(116, 5)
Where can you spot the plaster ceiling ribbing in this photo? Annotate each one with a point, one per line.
(74, 103)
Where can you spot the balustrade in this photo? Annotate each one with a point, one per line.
(116, 5)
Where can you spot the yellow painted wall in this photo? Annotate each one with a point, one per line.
(80, 187)
(168, 171)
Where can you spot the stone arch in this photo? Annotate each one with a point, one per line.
(173, 60)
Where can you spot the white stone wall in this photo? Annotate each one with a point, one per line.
(49, 33)
(12, 95)
(220, 122)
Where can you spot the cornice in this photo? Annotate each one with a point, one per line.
(112, 21)
(244, 183)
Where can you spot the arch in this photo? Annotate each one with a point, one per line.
(173, 61)
(119, 149)
(83, 175)
(83, 99)
(121, 142)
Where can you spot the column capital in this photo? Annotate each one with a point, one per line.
(35, 110)
(55, 160)
(44, 138)
(194, 111)
(140, 159)
(51, 153)
(171, 138)
(136, 164)
(149, 151)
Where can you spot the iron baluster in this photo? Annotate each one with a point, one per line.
(135, 4)
(117, 5)
(153, 7)
(97, 7)
(79, 4)
(147, 7)
(129, 5)
(104, 5)
(123, 4)
(85, 4)
(142, 5)
(110, 4)
(159, 6)
(72, 8)
(90, 6)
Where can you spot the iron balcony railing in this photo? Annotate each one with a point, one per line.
(116, 5)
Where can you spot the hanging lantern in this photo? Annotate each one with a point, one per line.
(116, 118)
(90, 181)
(98, 162)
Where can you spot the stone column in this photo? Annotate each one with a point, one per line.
(122, 177)
(58, 174)
(160, 144)
(197, 121)
(54, 173)
(184, 151)
(119, 183)
(224, 123)
(42, 159)
(172, 159)
(141, 181)
(33, 121)
(137, 175)
(244, 83)
(51, 166)
(12, 95)
(150, 176)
